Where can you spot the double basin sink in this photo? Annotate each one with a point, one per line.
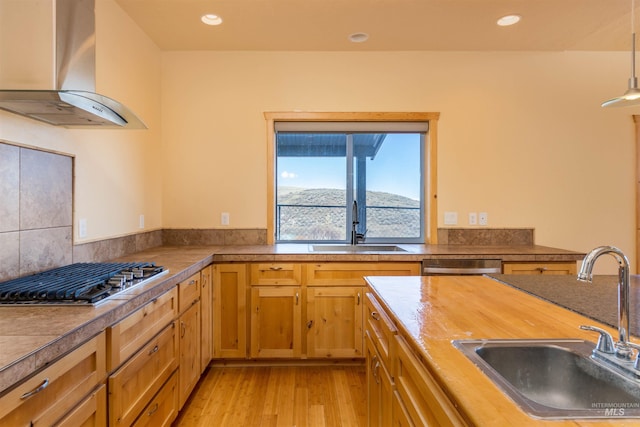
(555, 379)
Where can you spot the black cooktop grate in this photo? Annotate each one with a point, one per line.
(83, 282)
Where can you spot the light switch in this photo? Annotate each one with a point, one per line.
(82, 228)
(450, 218)
(473, 218)
(224, 218)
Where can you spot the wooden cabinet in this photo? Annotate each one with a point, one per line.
(230, 311)
(539, 267)
(334, 321)
(424, 400)
(190, 337)
(65, 391)
(400, 389)
(325, 300)
(379, 387)
(206, 322)
(133, 385)
(276, 321)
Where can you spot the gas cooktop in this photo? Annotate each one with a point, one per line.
(77, 284)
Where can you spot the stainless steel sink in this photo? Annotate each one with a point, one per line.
(356, 248)
(555, 378)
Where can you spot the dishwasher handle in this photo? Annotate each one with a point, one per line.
(460, 271)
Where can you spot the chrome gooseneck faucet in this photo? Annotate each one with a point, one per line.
(622, 348)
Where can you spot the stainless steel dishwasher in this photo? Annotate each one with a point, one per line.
(460, 266)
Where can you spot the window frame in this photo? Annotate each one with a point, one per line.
(430, 161)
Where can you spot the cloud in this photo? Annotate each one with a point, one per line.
(288, 175)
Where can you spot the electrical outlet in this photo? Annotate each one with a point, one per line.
(82, 228)
(450, 218)
(141, 221)
(483, 218)
(224, 218)
(473, 218)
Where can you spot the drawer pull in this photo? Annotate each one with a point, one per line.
(183, 329)
(275, 268)
(309, 324)
(154, 350)
(542, 269)
(153, 409)
(44, 384)
(297, 298)
(192, 282)
(375, 315)
(358, 298)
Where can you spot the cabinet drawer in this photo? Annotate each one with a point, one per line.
(127, 336)
(163, 409)
(92, 412)
(341, 274)
(48, 395)
(380, 327)
(539, 268)
(276, 274)
(133, 385)
(188, 292)
(423, 398)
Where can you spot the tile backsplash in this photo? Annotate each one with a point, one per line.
(36, 205)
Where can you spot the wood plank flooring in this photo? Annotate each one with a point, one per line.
(300, 396)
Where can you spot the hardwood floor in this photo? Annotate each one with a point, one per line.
(312, 396)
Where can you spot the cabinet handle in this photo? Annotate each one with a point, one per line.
(309, 324)
(541, 269)
(297, 298)
(154, 350)
(183, 329)
(153, 409)
(358, 298)
(192, 282)
(375, 373)
(275, 268)
(375, 315)
(44, 384)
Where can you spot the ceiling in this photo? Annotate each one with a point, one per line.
(392, 25)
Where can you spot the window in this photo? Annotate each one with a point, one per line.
(330, 176)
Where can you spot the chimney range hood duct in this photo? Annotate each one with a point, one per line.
(47, 65)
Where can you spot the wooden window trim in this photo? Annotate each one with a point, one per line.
(430, 187)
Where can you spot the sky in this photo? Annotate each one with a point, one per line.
(395, 168)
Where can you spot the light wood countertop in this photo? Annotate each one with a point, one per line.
(432, 311)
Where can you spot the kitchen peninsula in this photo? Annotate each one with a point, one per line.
(37, 337)
(430, 312)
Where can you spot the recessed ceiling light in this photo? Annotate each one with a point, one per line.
(211, 19)
(507, 20)
(359, 37)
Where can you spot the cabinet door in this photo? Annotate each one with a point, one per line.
(334, 321)
(206, 303)
(379, 387)
(230, 311)
(539, 268)
(189, 372)
(276, 318)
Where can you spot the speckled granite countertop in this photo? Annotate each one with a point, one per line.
(597, 300)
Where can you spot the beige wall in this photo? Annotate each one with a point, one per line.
(117, 172)
(522, 136)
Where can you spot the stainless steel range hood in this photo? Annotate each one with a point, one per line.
(47, 65)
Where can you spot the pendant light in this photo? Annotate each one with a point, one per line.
(632, 95)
